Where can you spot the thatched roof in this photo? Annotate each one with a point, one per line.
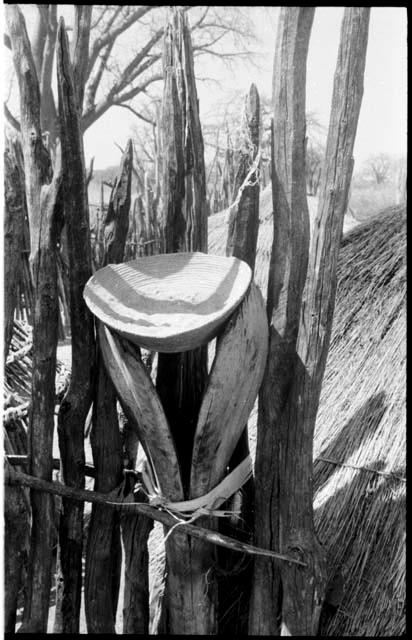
(361, 425)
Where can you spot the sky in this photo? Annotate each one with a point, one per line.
(383, 118)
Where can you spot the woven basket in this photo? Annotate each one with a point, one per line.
(169, 302)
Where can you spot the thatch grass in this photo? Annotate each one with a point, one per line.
(359, 514)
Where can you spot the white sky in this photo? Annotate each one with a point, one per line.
(383, 118)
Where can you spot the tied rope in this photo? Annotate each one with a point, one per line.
(187, 511)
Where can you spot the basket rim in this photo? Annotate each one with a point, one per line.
(185, 329)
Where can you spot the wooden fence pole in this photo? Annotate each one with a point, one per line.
(181, 378)
(135, 530)
(14, 212)
(287, 273)
(76, 403)
(16, 543)
(103, 555)
(292, 490)
(80, 52)
(234, 591)
(45, 213)
(304, 591)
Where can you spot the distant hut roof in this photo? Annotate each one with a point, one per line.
(361, 425)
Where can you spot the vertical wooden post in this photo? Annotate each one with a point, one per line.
(303, 591)
(103, 556)
(244, 215)
(287, 273)
(16, 542)
(292, 504)
(234, 591)
(76, 403)
(80, 50)
(44, 210)
(135, 530)
(14, 212)
(181, 378)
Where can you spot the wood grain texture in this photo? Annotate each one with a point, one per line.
(16, 542)
(135, 530)
(181, 378)
(304, 591)
(143, 409)
(287, 273)
(244, 216)
(44, 211)
(14, 213)
(16, 478)
(76, 402)
(80, 49)
(234, 591)
(293, 421)
(103, 554)
(233, 385)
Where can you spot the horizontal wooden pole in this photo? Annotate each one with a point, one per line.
(13, 477)
(16, 460)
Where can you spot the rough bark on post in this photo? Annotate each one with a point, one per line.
(181, 378)
(135, 530)
(103, 557)
(80, 49)
(48, 114)
(43, 205)
(16, 543)
(234, 591)
(304, 591)
(292, 510)
(287, 273)
(14, 212)
(76, 403)
(244, 214)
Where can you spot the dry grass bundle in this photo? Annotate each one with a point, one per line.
(360, 436)
(360, 514)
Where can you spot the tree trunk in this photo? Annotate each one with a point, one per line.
(303, 590)
(44, 210)
(76, 403)
(235, 585)
(103, 559)
(287, 273)
(14, 212)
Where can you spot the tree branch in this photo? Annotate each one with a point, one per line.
(138, 115)
(11, 119)
(139, 89)
(111, 35)
(17, 478)
(94, 81)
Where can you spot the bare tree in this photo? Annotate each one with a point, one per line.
(379, 166)
(113, 79)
